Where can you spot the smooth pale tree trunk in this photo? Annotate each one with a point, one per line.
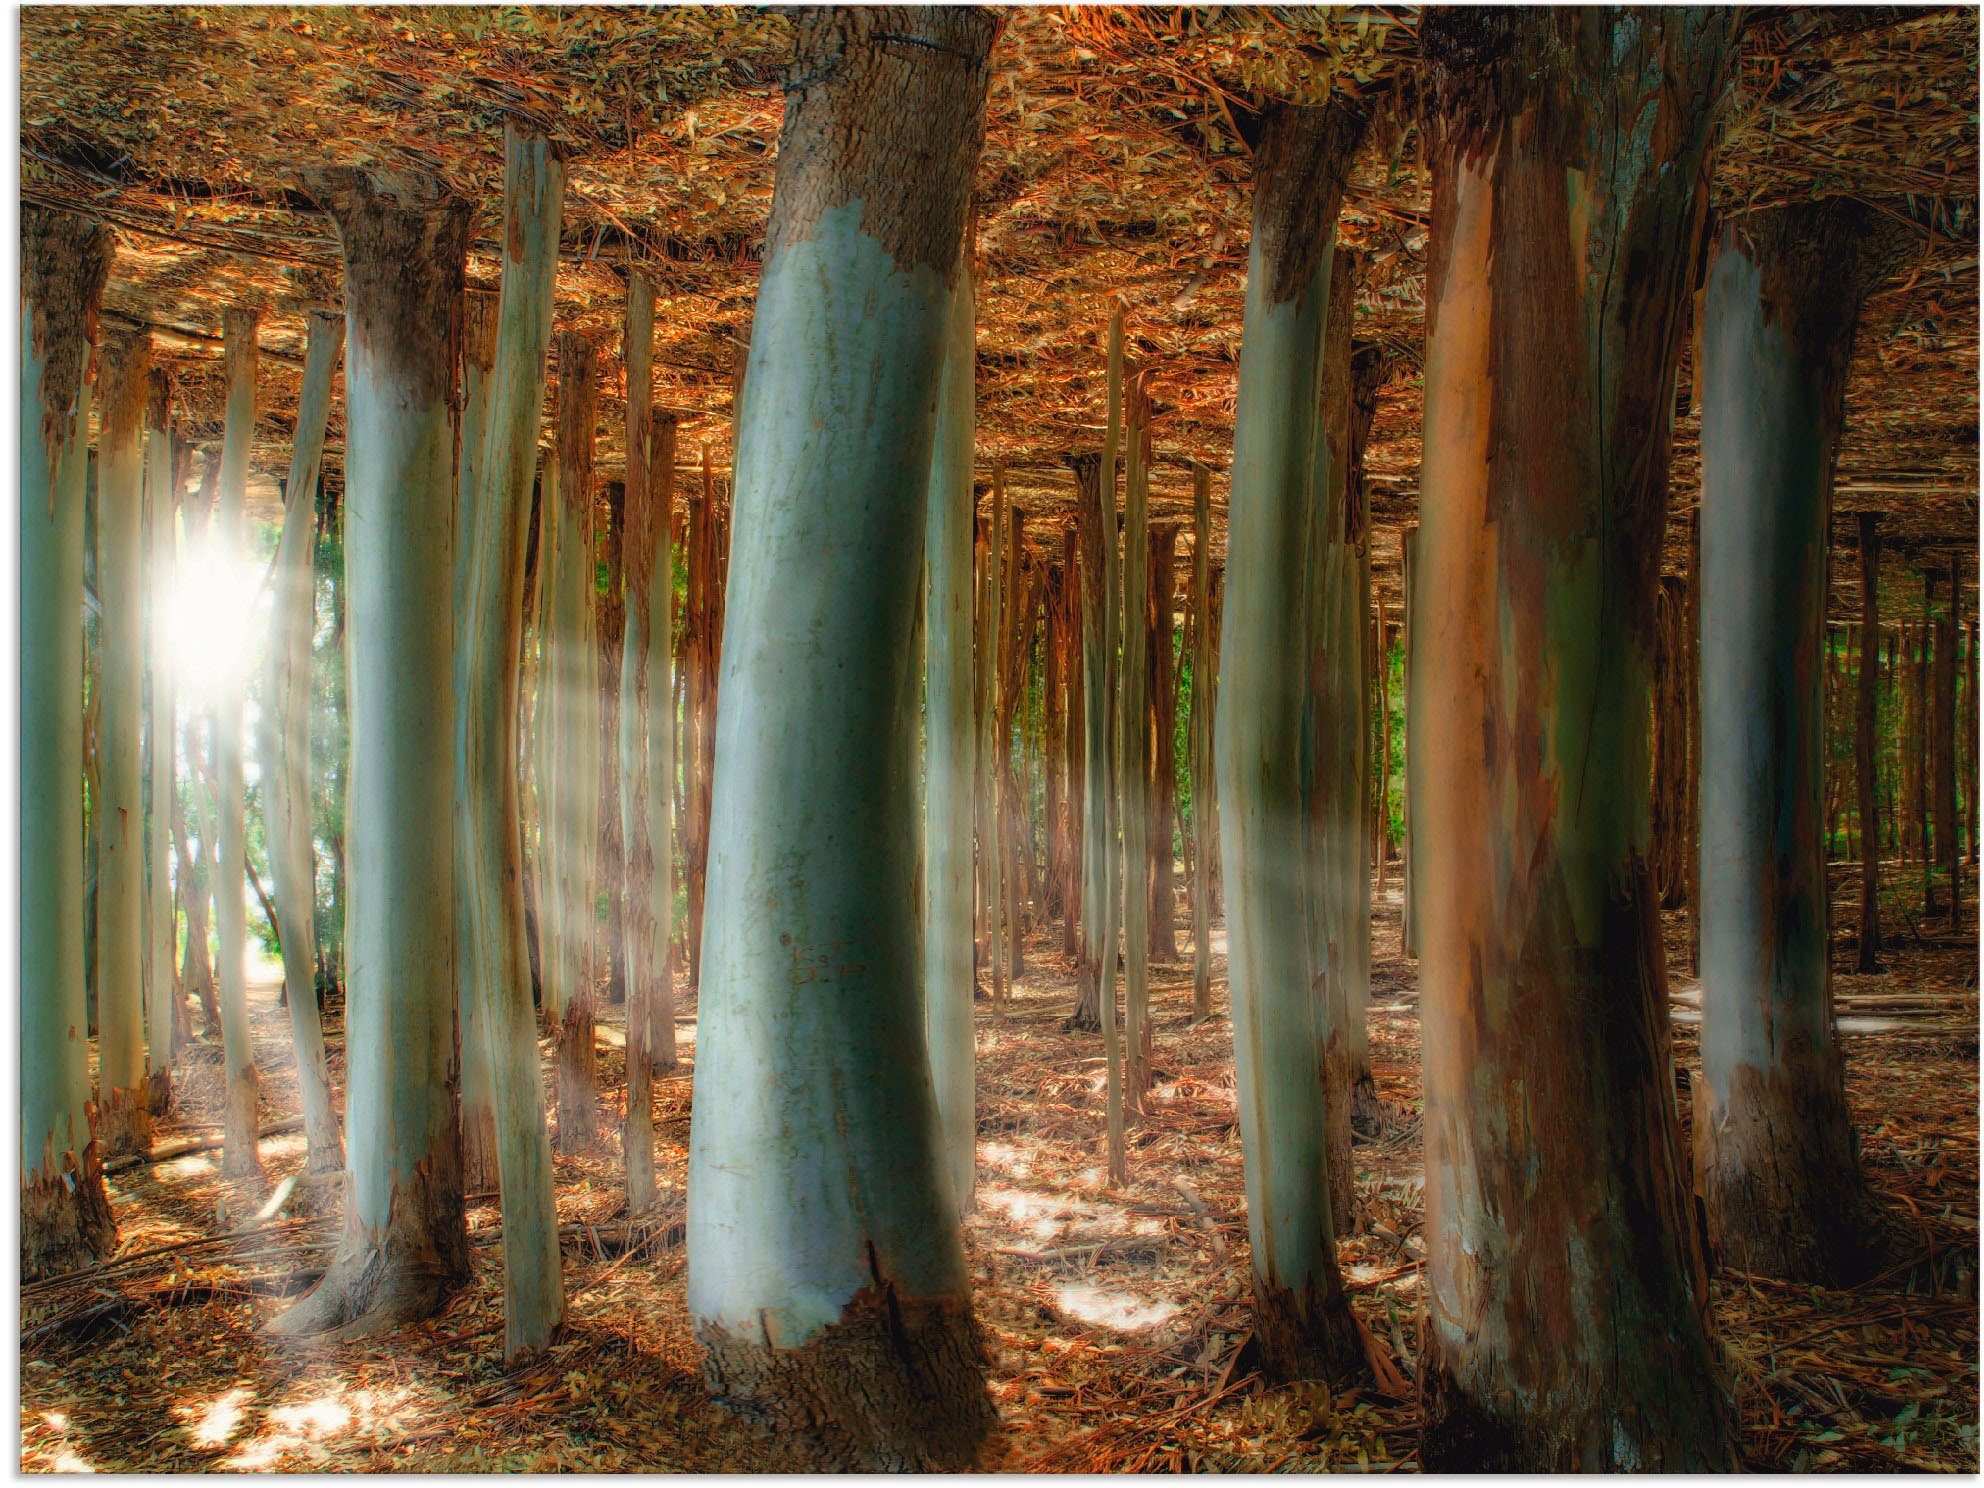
(1133, 759)
(405, 1240)
(827, 1277)
(123, 387)
(1567, 1326)
(241, 1119)
(1302, 1321)
(1201, 743)
(1867, 772)
(472, 529)
(991, 860)
(285, 743)
(576, 663)
(1776, 1157)
(947, 805)
(163, 1010)
(490, 837)
(65, 1213)
(1340, 894)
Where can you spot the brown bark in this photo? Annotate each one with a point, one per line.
(612, 516)
(1926, 681)
(1163, 724)
(1087, 470)
(1072, 784)
(1944, 794)
(1567, 1326)
(578, 1052)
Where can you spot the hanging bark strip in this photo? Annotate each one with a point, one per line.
(948, 979)
(1866, 758)
(576, 660)
(1161, 715)
(165, 1031)
(495, 953)
(1566, 1328)
(65, 1212)
(646, 743)
(828, 1281)
(1302, 1322)
(1133, 747)
(1775, 1153)
(285, 742)
(405, 1241)
(241, 1157)
(1201, 743)
(124, 383)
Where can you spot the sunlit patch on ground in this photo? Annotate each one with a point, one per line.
(1106, 1309)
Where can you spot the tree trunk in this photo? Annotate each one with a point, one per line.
(828, 1281)
(1303, 1323)
(1567, 1326)
(1926, 711)
(1201, 743)
(1162, 711)
(991, 652)
(405, 1240)
(1867, 758)
(1340, 887)
(124, 1123)
(1775, 1150)
(164, 1011)
(947, 811)
(612, 624)
(1074, 751)
(498, 981)
(1017, 648)
(285, 743)
(575, 663)
(1133, 750)
(241, 1156)
(1408, 919)
(65, 1212)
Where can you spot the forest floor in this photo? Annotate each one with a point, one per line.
(1114, 1321)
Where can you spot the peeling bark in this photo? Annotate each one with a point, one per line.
(1567, 1325)
(827, 1278)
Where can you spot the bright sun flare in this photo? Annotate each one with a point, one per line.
(208, 618)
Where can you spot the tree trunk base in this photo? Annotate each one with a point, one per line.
(124, 1122)
(1676, 1423)
(1302, 1337)
(895, 1386)
(382, 1280)
(241, 1154)
(1087, 1016)
(1368, 1117)
(66, 1220)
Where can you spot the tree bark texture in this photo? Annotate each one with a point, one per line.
(165, 1028)
(827, 1277)
(65, 1212)
(284, 745)
(1133, 760)
(405, 1240)
(490, 837)
(1775, 1151)
(1302, 1320)
(1201, 743)
(123, 1094)
(1567, 1328)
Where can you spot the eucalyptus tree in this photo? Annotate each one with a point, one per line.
(1133, 766)
(285, 741)
(497, 983)
(123, 387)
(163, 1007)
(1777, 1161)
(647, 743)
(947, 809)
(1302, 1322)
(65, 1213)
(1200, 748)
(827, 1277)
(1566, 1327)
(241, 1119)
(405, 1240)
(575, 716)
